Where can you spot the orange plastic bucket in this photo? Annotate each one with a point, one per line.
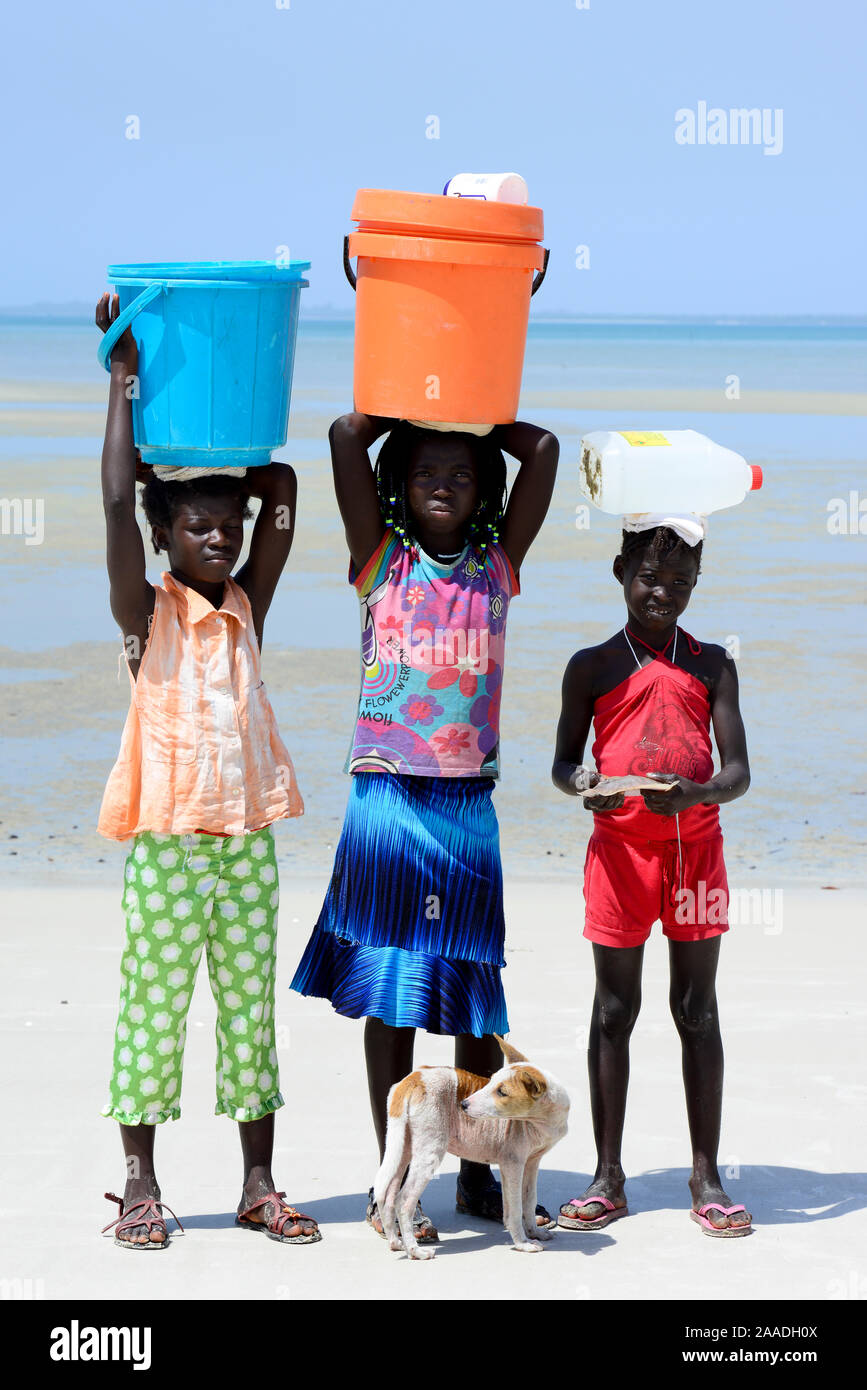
(443, 296)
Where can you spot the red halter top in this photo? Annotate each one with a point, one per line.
(657, 720)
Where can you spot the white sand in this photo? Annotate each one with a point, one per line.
(793, 1020)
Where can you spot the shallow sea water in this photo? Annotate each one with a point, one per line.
(775, 582)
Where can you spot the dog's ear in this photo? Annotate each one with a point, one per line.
(510, 1053)
(533, 1079)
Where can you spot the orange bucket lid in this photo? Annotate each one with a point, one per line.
(432, 214)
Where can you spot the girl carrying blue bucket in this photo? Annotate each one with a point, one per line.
(411, 934)
(202, 775)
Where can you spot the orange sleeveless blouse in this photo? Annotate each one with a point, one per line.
(200, 748)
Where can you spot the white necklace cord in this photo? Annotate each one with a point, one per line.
(634, 653)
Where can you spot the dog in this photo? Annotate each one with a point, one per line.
(512, 1120)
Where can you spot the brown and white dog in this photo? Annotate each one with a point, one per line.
(511, 1120)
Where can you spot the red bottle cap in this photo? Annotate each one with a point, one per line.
(757, 477)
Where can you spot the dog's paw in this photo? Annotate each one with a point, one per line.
(540, 1234)
(422, 1253)
(395, 1243)
(528, 1247)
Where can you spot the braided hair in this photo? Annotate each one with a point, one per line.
(391, 474)
(663, 543)
(163, 500)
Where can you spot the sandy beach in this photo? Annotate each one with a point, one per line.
(792, 1145)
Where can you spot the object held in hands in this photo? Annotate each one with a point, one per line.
(630, 785)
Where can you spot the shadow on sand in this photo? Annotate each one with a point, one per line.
(775, 1196)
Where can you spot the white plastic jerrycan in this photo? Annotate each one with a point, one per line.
(624, 471)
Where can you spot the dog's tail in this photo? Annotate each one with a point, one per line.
(397, 1151)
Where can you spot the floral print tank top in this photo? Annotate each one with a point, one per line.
(432, 646)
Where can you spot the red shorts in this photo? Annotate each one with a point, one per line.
(630, 884)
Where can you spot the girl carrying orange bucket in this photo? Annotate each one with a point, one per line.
(411, 933)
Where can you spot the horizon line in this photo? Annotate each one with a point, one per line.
(77, 311)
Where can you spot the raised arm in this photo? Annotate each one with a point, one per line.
(537, 451)
(131, 596)
(277, 486)
(350, 438)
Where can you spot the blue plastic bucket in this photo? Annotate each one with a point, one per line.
(216, 344)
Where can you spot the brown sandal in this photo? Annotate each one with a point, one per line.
(147, 1213)
(282, 1215)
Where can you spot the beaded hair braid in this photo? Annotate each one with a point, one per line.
(391, 470)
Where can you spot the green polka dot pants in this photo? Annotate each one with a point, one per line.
(183, 894)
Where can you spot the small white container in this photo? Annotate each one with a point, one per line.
(625, 471)
(491, 188)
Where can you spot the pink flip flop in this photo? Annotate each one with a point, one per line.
(596, 1223)
(726, 1232)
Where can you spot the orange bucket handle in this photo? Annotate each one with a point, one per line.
(540, 274)
(347, 266)
(350, 273)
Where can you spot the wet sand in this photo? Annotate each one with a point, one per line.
(62, 716)
(24, 412)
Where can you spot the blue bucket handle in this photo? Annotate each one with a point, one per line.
(123, 321)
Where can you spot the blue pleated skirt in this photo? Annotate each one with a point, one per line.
(412, 928)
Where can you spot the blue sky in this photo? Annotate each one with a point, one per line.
(257, 124)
